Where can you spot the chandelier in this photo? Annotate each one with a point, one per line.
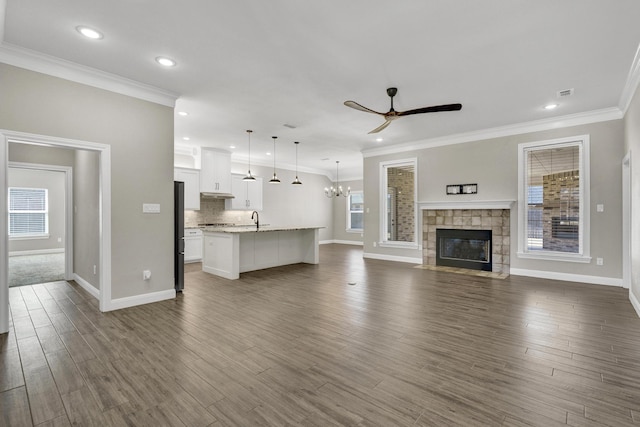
(337, 191)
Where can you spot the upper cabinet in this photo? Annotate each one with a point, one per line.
(191, 179)
(247, 195)
(215, 176)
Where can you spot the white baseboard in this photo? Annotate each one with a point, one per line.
(407, 259)
(567, 277)
(95, 292)
(37, 252)
(119, 303)
(634, 302)
(342, 242)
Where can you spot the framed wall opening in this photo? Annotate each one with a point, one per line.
(104, 151)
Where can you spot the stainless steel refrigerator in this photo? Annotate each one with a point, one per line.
(178, 256)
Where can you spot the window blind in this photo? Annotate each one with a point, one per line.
(28, 212)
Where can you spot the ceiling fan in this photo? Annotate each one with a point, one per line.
(393, 114)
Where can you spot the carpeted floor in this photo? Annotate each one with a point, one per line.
(32, 269)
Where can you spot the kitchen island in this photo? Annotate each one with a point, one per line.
(229, 251)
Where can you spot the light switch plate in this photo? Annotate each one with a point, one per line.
(151, 208)
(600, 207)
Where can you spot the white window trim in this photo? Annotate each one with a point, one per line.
(42, 236)
(383, 205)
(349, 212)
(584, 255)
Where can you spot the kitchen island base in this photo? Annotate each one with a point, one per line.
(229, 253)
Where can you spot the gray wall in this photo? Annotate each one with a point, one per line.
(54, 182)
(340, 215)
(140, 134)
(26, 153)
(86, 225)
(493, 165)
(632, 143)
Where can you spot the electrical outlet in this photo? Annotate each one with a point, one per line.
(95, 270)
(146, 275)
(599, 261)
(59, 239)
(375, 244)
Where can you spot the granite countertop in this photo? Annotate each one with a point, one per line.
(252, 229)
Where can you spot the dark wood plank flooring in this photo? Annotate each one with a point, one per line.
(299, 345)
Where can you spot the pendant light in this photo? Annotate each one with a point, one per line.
(296, 181)
(275, 179)
(337, 191)
(249, 177)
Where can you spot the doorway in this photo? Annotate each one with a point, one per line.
(40, 223)
(104, 221)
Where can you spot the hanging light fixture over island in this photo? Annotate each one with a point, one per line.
(249, 177)
(275, 179)
(296, 181)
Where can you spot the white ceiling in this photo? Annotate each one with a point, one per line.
(255, 64)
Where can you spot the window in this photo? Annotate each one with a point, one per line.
(553, 196)
(398, 207)
(355, 209)
(28, 212)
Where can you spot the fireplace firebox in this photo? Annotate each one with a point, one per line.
(464, 248)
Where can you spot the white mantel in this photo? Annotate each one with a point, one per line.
(467, 204)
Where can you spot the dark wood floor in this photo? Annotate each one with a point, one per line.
(299, 345)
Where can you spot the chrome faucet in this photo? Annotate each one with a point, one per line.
(256, 220)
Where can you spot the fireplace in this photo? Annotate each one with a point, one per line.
(464, 248)
(494, 216)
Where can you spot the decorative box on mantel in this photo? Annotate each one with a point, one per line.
(469, 215)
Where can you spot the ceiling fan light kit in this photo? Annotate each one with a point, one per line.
(392, 114)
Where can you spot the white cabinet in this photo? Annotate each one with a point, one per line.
(215, 175)
(227, 254)
(191, 179)
(192, 245)
(247, 195)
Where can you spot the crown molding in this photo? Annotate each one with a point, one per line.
(631, 85)
(606, 114)
(50, 65)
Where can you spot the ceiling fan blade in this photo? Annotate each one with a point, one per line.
(357, 106)
(433, 109)
(381, 127)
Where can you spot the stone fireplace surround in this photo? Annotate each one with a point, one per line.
(494, 216)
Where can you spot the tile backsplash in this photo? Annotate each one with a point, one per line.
(212, 212)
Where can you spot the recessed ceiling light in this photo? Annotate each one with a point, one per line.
(166, 62)
(232, 146)
(378, 139)
(183, 113)
(268, 154)
(186, 138)
(89, 32)
(550, 106)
